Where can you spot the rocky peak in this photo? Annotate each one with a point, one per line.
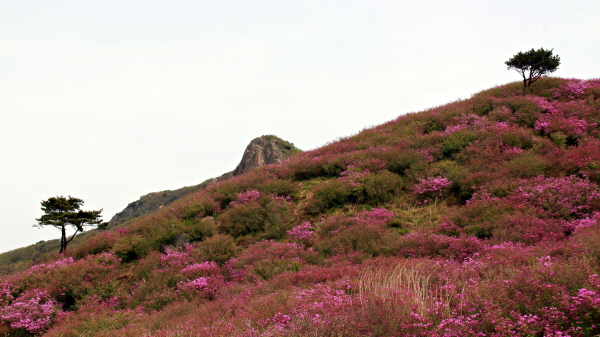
(264, 150)
(261, 151)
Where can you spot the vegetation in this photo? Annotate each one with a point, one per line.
(536, 62)
(61, 212)
(286, 147)
(477, 218)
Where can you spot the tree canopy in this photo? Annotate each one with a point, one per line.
(61, 212)
(533, 64)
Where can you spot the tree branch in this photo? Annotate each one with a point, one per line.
(77, 231)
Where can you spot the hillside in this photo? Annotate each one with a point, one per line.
(476, 218)
(263, 150)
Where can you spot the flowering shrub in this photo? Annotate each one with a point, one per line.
(52, 266)
(5, 294)
(459, 249)
(568, 125)
(204, 280)
(578, 224)
(432, 187)
(321, 305)
(207, 268)
(586, 158)
(351, 175)
(574, 89)
(33, 311)
(564, 197)
(268, 258)
(203, 287)
(302, 233)
(246, 197)
(177, 258)
(376, 216)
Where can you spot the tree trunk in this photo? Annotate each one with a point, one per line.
(63, 241)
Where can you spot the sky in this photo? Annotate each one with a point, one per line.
(109, 100)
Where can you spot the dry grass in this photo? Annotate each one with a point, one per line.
(420, 217)
(403, 287)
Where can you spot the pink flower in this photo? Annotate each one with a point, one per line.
(246, 197)
(432, 186)
(32, 311)
(302, 232)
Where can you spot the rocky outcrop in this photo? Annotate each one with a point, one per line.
(261, 151)
(264, 150)
(149, 203)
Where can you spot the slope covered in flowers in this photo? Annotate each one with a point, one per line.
(479, 218)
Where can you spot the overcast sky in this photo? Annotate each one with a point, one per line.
(110, 100)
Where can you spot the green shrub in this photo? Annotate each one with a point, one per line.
(559, 139)
(128, 248)
(381, 187)
(332, 224)
(279, 187)
(199, 229)
(400, 162)
(526, 165)
(433, 125)
(482, 105)
(219, 248)
(268, 217)
(455, 142)
(519, 138)
(524, 110)
(243, 219)
(93, 323)
(266, 269)
(201, 209)
(334, 166)
(279, 218)
(372, 240)
(334, 193)
(478, 218)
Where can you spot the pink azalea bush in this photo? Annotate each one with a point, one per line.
(246, 197)
(32, 311)
(302, 233)
(432, 187)
(573, 89)
(565, 197)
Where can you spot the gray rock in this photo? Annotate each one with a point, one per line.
(181, 240)
(263, 151)
(164, 247)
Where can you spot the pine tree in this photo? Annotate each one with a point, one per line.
(61, 212)
(533, 64)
